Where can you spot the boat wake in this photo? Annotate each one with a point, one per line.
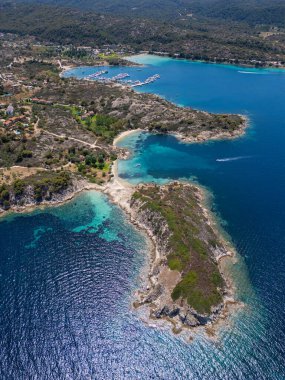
(232, 158)
(251, 72)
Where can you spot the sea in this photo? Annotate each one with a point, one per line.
(68, 274)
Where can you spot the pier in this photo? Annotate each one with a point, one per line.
(121, 77)
(147, 81)
(97, 74)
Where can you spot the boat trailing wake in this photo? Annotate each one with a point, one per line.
(253, 72)
(232, 158)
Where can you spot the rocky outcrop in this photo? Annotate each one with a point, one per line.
(145, 111)
(151, 207)
(28, 198)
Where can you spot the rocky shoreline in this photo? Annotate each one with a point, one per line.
(73, 124)
(156, 294)
(201, 137)
(213, 136)
(147, 111)
(28, 204)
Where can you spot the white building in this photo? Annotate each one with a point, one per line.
(10, 110)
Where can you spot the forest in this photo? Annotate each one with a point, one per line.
(205, 38)
(268, 12)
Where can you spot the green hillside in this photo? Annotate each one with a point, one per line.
(194, 38)
(253, 12)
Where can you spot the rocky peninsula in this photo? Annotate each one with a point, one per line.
(60, 141)
(186, 283)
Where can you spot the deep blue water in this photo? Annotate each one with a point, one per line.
(67, 274)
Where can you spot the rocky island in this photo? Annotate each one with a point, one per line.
(56, 139)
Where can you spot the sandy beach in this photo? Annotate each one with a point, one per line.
(124, 134)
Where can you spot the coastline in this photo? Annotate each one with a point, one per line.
(208, 136)
(231, 303)
(79, 187)
(65, 69)
(71, 66)
(203, 137)
(226, 63)
(158, 115)
(124, 134)
(120, 192)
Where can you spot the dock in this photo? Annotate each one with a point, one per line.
(97, 74)
(120, 76)
(147, 81)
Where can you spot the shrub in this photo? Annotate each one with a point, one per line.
(18, 187)
(27, 153)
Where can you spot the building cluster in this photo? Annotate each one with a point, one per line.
(13, 120)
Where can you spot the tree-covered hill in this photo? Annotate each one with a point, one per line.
(160, 9)
(194, 38)
(253, 12)
(76, 27)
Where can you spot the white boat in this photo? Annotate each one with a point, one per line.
(147, 81)
(120, 76)
(97, 74)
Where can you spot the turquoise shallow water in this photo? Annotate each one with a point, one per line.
(245, 175)
(67, 274)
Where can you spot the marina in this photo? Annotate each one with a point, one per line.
(97, 74)
(147, 81)
(121, 78)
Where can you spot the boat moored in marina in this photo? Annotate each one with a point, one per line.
(97, 74)
(147, 81)
(120, 76)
